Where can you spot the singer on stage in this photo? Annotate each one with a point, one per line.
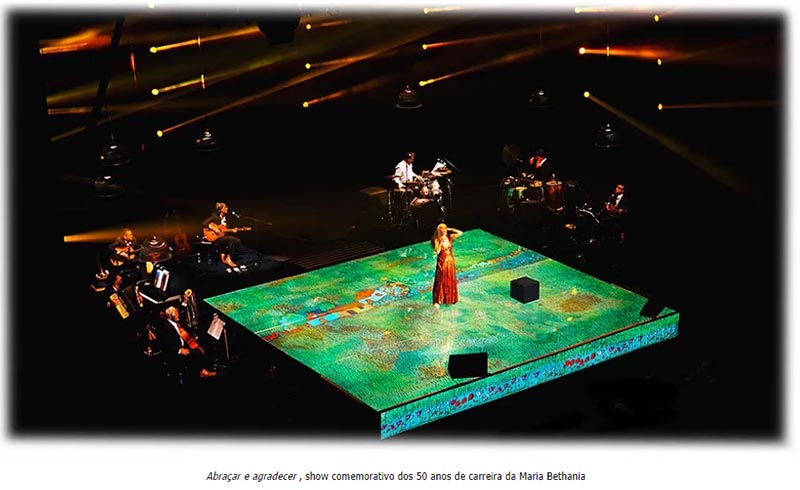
(445, 283)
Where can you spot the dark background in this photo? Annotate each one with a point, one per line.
(706, 247)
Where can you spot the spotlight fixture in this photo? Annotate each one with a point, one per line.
(114, 154)
(606, 137)
(279, 29)
(539, 99)
(206, 141)
(408, 99)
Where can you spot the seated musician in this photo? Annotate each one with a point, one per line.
(123, 249)
(538, 168)
(181, 346)
(404, 171)
(215, 229)
(614, 215)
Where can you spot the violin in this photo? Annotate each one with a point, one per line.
(189, 340)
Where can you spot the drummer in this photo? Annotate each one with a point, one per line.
(404, 171)
(539, 168)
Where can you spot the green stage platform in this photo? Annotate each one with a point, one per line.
(369, 327)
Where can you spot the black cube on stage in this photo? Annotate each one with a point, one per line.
(468, 365)
(525, 289)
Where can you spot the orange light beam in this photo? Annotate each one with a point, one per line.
(244, 32)
(333, 23)
(645, 52)
(509, 58)
(612, 9)
(187, 83)
(735, 104)
(57, 111)
(704, 163)
(492, 37)
(368, 85)
(412, 36)
(85, 40)
(340, 61)
(436, 10)
(182, 44)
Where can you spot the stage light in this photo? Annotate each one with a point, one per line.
(586, 94)
(151, 5)
(577, 10)
(660, 107)
(153, 49)
(581, 50)
(308, 27)
(280, 29)
(408, 99)
(606, 137)
(656, 18)
(424, 47)
(658, 61)
(206, 141)
(308, 66)
(305, 104)
(539, 99)
(425, 11)
(114, 154)
(159, 133)
(154, 91)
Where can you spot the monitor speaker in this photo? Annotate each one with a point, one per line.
(468, 365)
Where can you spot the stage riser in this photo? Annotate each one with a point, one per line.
(485, 390)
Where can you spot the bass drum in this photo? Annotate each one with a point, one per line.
(555, 195)
(428, 212)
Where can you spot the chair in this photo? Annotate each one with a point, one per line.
(204, 252)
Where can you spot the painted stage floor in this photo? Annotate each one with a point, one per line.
(369, 326)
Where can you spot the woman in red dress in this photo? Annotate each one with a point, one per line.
(445, 284)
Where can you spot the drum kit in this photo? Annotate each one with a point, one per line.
(517, 191)
(422, 199)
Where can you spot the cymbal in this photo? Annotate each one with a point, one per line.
(155, 256)
(511, 154)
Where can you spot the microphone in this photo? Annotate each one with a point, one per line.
(235, 214)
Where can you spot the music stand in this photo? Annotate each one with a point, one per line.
(217, 329)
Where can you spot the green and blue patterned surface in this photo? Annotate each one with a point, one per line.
(369, 326)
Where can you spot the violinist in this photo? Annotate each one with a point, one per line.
(183, 347)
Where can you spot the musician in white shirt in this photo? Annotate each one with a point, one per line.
(404, 171)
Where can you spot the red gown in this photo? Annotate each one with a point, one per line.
(445, 284)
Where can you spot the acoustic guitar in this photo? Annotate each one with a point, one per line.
(213, 235)
(123, 255)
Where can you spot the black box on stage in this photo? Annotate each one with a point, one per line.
(652, 308)
(468, 365)
(525, 289)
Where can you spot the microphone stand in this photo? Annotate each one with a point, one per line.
(450, 182)
(450, 163)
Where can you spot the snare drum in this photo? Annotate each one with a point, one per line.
(555, 195)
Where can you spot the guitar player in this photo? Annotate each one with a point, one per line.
(123, 249)
(614, 214)
(215, 230)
